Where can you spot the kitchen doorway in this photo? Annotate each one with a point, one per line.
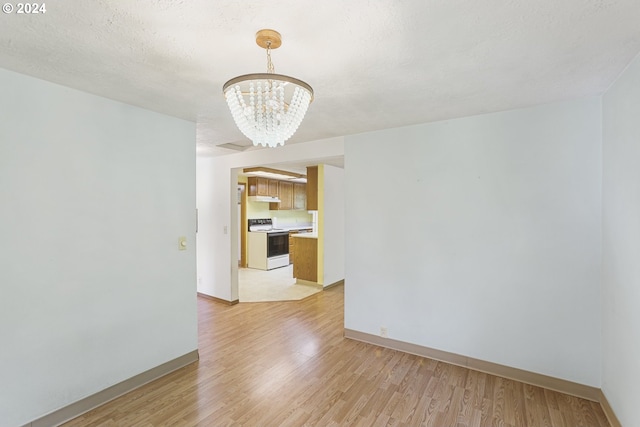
(259, 284)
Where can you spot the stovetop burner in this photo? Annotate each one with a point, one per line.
(261, 224)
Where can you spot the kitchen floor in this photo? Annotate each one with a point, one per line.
(273, 285)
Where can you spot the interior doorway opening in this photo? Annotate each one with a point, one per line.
(258, 284)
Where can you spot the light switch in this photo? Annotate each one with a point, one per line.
(182, 243)
(226, 230)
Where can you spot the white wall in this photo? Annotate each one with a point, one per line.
(216, 182)
(481, 236)
(621, 249)
(333, 229)
(94, 195)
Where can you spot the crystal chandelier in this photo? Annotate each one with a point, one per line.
(267, 107)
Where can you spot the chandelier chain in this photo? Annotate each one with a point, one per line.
(270, 68)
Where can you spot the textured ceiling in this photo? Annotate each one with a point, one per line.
(372, 64)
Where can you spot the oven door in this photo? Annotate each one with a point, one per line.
(277, 244)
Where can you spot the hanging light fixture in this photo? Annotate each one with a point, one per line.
(268, 107)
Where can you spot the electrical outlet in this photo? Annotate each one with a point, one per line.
(383, 332)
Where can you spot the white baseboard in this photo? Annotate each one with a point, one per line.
(540, 380)
(608, 411)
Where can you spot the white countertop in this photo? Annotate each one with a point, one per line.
(295, 227)
(282, 229)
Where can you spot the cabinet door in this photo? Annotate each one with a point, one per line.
(258, 186)
(299, 195)
(286, 195)
(253, 185)
(292, 246)
(273, 188)
(312, 188)
(305, 266)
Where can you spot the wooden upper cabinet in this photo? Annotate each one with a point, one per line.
(273, 188)
(258, 186)
(292, 195)
(285, 190)
(312, 188)
(299, 195)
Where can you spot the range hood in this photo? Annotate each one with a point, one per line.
(264, 199)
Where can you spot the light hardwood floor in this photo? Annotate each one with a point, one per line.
(287, 364)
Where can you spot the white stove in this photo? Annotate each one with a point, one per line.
(268, 246)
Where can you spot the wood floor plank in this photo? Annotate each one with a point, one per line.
(486, 414)
(288, 364)
(499, 402)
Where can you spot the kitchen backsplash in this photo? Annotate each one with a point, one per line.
(261, 210)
